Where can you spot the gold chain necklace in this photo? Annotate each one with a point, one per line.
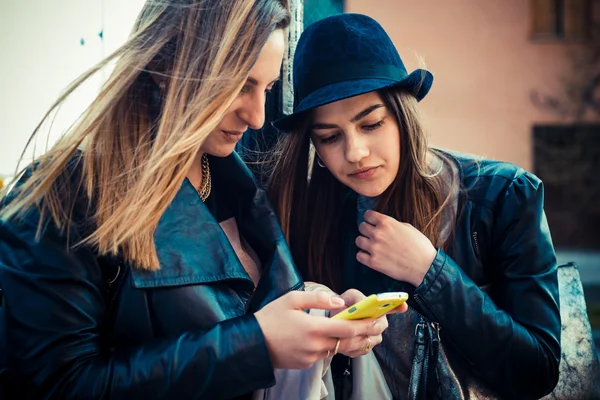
(204, 190)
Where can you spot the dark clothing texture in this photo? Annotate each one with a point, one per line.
(186, 331)
(494, 291)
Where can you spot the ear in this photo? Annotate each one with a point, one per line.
(159, 73)
(160, 80)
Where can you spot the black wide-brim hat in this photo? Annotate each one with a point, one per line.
(344, 56)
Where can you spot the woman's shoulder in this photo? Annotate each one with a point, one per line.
(487, 180)
(70, 192)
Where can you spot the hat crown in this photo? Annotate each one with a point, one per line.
(343, 56)
(339, 43)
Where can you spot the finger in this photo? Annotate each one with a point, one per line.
(364, 258)
(300, 300)
(381, 323)
(376, 340)
(373, 217)
(352, 296)
(350, 346)
(339, 328)
(372, 327)
(366, 229)
(329, 349)
(362, 346)
(363, 243)
(400, 309)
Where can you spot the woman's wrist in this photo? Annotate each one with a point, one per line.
(424, 266)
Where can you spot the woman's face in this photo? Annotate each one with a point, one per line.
(248, 109)
(358, 140)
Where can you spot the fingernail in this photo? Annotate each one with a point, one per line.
(337, 301)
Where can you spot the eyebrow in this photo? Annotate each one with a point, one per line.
(356, 118)
(254, 82)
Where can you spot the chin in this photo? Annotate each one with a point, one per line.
(221, 151)
(370, 193)
(369, 190)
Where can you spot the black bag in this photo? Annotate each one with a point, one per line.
(579, 372)
(423, 376)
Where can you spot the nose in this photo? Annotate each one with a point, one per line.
(356, 148)
(252, 111)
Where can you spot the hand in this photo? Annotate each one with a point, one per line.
(295, 339)
(361, 345)
(394, 248)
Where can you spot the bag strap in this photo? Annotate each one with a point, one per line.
(427, 345)
(417, 379)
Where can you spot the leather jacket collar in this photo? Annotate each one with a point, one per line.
(190, 241)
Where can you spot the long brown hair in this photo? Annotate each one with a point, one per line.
(310, 209)
(203, 50)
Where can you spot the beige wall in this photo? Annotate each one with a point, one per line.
(40, 43)
(485, 68)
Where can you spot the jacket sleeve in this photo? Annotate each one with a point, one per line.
(55, 305)
(511, 339)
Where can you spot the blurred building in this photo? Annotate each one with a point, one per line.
(516, 80)
(494, 63)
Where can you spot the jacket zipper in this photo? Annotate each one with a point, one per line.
(116, 284)
(475, 243)
(425, 310)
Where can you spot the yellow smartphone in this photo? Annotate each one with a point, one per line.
(373, 306)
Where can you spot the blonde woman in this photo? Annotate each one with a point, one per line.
(138, 257)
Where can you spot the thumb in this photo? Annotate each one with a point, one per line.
(315, 300)
(352, 296)
(400, 309)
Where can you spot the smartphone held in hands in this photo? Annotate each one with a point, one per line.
(373, 306)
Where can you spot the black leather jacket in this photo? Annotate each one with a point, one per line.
(186, 331)
(494, 292)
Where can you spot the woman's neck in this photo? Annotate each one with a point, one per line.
(194, 174)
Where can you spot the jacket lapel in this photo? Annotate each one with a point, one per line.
(257, 220)
(193, 249)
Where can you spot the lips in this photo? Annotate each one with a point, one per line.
(233, 136)
(233, 133)
(363, 173)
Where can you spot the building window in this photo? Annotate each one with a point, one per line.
(560, 19)
(315, 10)
(567, 159)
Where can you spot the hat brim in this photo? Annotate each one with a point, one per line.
(418, 82)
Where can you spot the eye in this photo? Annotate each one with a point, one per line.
(328, 139)
(273, 86)
(245, 89)
(373, 127)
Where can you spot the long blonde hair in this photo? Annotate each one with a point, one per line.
(130, 169)
(310, 210)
